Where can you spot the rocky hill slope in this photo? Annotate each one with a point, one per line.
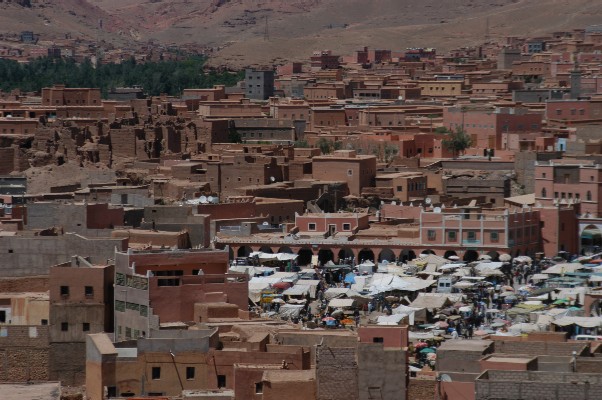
(260, 31)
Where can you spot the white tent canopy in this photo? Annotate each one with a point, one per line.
(273, 256)
(341, 303)
(584, 322)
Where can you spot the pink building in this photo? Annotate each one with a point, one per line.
(578, 183)
(476, 229)
(331, 223)
(486, 126)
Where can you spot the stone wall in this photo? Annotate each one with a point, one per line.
(336, 373)
(23, 353)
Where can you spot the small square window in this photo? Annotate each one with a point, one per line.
(190, 373)
(471, 235)
(349, 172)
(378, 340)
(64, 290)
(495, 237)
(451, 236)
(89, 291)
(311, 226)
(346, 227)
(64, 326)
(86, 327)
(431, 234)
(259, 387)
(156, 373)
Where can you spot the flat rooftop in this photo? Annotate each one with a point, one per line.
(37, 391)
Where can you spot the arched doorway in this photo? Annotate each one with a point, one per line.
(591, 240)
(285, 249)
(470, 256)
(365, 254)
(428, 251)
(244, 251)
(386, 255)
(450, 253)
(407, 255)
(305, 255)
(345, 256)
(325, 255)
(495, 256)
(266, 249)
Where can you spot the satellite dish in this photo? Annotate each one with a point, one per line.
(203, 199)
(445, 378)
(265, 223)
(393, 203)
(272, 179)
(437, 210)
(428, 200)
(210, 199)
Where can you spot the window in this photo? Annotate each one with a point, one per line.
(64, 326)
(451, 236)
(112, 391)
(400, 188)
(471, 235)
(190, 373)
(495, 237)
(128, 333)
(431, 234)
(44, 322)
(311, 226)
(558, 112)
(64, 291)
(259, 387)
(377, 340)
(544, 193)
(2, 316)
(156, 373)
(588, 197)
(86, 327)
(89, 291)
(349, 172)
(221, 381)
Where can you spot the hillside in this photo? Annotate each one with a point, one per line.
(296, 27)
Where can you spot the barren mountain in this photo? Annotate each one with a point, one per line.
(260, 31)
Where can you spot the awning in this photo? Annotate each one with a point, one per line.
(341, 303)
(297, 290)
(584, 322)
(332, 293)
(591, 234)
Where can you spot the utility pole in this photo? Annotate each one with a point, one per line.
(266, 32)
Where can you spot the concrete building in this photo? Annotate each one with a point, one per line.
(475, 228)
(358, 171)
(259, 84)
(172, 361)
(81, 303)
(154, 287)
(574, 182)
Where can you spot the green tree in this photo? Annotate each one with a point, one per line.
(234, 136)
(301, 144)
(457, 141)
(324, 145)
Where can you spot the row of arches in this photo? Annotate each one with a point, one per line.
(360, 255)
